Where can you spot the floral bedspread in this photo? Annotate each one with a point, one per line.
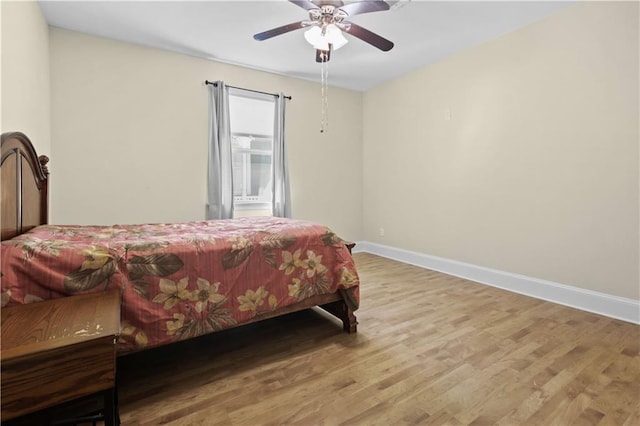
(180, 280)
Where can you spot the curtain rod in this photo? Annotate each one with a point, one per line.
(242, 88)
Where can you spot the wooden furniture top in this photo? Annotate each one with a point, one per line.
(43, 326)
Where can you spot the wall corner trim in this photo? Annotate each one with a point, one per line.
(587, 300)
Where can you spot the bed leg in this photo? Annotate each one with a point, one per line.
(342, 311)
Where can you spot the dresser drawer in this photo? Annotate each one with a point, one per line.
(36, 381)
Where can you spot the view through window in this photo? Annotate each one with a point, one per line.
(251, 118)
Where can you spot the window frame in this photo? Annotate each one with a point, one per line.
(240, 203)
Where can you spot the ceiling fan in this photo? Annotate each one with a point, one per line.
(327, 22)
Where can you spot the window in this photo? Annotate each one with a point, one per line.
(251, 117)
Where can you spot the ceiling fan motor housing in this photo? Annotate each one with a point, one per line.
(327, 14)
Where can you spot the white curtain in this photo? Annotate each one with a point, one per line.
(220, 176)
(281, 189)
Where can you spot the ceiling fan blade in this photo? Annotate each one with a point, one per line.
(367, 36)
(364, 7)
(305, 4)
(280, 30)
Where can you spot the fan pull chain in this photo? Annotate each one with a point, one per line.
(324, 78)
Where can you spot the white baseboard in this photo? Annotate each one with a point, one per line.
(587, 300)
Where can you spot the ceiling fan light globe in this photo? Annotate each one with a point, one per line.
(334, 35)
(314, 37)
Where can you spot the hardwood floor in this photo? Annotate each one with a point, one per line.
(430, 349)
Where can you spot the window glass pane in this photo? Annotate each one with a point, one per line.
(261, 177)
(238, 171)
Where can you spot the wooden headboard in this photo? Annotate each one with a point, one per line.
(24, 201)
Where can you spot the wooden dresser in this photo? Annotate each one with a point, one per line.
(59, 350)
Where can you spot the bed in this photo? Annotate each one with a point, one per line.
(177, 280)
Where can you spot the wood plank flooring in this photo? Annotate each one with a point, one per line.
(430, 349)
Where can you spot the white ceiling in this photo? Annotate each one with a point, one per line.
(423, 32)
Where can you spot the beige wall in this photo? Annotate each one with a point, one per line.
(536, 172)
(24, 87)
(130, 136)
